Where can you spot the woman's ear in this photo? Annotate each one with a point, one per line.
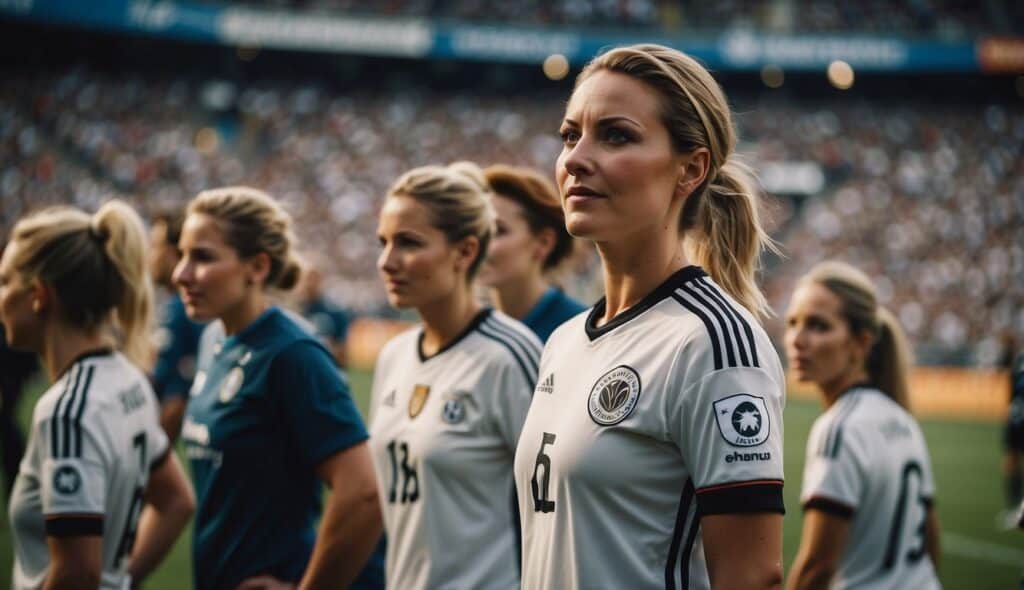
(42, 296)
(257, 268)
(466, 251)
(544, 242)
(693, 169)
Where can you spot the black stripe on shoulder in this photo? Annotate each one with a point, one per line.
(81, 411)
(531, 377)
(685, 500)
(832, 451)
(529, 346)
(712, 333)
(74, 525)
(726, 337)
(738, 320)
(829, 506)
(70, 382)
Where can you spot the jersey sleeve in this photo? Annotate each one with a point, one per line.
(314, 401)
(728, 427)
(75, 468)
(834, 468)
(513, 393)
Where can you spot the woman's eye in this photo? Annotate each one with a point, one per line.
(569, 136)
(616, 136)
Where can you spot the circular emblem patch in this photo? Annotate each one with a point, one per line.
(67, 480)
(453, 412)
(743, 419)
(232, 383)
(614, 396)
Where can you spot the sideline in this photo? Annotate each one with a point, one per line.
(963, 546)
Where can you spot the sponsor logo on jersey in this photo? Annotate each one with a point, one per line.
(232, 383)
(742, 419)
(389, 399)
(614, 396)
(418, 400)
(67, 480)
(547, 385)
(737, 456)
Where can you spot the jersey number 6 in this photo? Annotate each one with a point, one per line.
(541, 491)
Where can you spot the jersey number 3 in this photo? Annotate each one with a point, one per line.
(912, 468)
(541, 487)
(410, 482)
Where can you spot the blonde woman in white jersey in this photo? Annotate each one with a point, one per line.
(450, 395)
(99, 499)
(868, 486)
(652, 453)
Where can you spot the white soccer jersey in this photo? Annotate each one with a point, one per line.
(867, 461)
(95, 436)
(443, 436)
(638, 428)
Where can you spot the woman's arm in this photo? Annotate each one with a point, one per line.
(351, 525)
(75, 562)
(821, 547)
(743, 551)
(169, 503)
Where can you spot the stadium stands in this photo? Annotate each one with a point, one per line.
(928, 199)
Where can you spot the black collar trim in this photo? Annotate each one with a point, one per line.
(95, 352)
(664, 290)
(476, 321)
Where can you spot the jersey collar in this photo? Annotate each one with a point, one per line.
(681, 276)
(476, 321)
(95, 352)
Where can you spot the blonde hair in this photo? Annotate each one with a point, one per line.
(888, 361)
(97, 265)
(720, 220)
(253, 222)
(458, 198)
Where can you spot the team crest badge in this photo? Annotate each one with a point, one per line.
(232, 383)
(743, 419)
(614, 396)
(418, 400)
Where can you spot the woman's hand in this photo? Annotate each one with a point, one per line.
(265, 582)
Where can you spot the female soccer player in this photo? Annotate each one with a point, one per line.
(868, 486)
(530, 240)
(270, 415)
(99, 498)
(449, 396)
(655, 458)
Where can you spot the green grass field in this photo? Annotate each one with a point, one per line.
(966, 457)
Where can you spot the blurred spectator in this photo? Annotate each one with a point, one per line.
(330, 322)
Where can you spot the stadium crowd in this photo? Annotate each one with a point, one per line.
(947, 18)
(931, 197)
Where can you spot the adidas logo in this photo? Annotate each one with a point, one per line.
(389, 399)
(548, 385)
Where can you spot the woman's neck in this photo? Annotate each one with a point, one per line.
(239, 317)
(517, 297)
(445, 319)
(832, 390)
(635, 267)
(62, 345)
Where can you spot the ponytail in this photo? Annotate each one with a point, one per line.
(724, 235)
(96, 265)
(889, 359)
(123, 236)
